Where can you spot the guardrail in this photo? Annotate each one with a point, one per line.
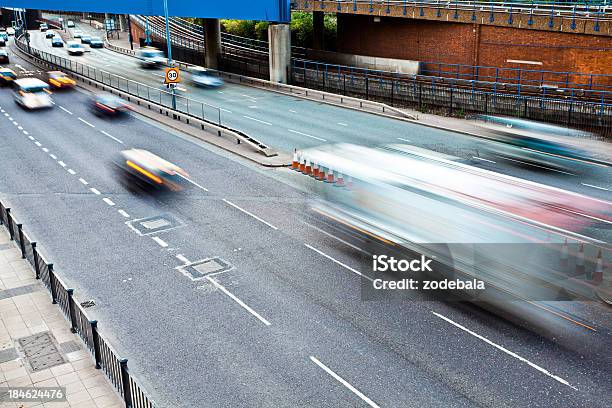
(106, 358)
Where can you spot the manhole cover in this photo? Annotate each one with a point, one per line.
(153, 225)
(200, 269)
(41, 351)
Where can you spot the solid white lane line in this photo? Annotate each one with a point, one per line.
(65, 110)
(61, 163)
(86, 122)
(306, 134)
(37, 144)
(83, 181)
(95, 191)
(54, 157)
(160, 241)
(192, 182)
(497, 346)
(240, 302)
(111, 136)
(108, 201)
(226, 110)
(126, 215)
(536, 165)
(182, 258)
(257, 120)
(597, 187)
(339, 263)
(71, 172)
(344, 382)
(480, 158)
(342, 124)
(252, 215)
(404, 140)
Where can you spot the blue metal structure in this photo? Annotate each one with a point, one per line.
(268, 10)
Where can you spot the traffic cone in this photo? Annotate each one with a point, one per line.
(330, 176)
(295, 164)
(321, 175)
(315, 169)
(564, 255)
(349, 182)
(302, 166)
(599, 269)
(339, 180)
(580, 268)
(307, 168)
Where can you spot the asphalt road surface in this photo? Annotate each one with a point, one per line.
(284, 324)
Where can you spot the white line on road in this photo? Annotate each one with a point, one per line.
(306, 134)
(182, 258)
(61, 163)
(20, 127)
(65, 110)
(240, 302)
(524, 360)
(248, 213)
(54, 157)
(95, 191)
(226, 110)
(192, 182)
(339, 263)
(404, 140)
(108, 201)
(342, 124)
(253, 106)
(597, 187)
(15, 123)
(44, 149)
(344, 382)
(25, 132)
(335, 237)
(160, 241)
(257, 120)
(82, 180)
(126, 215)
(480, 158)
(111, 136)
(71, 172)
(31, 137)
(86, 122)
(292, 111)
(10, 118)
(535, 165)
(37, 144)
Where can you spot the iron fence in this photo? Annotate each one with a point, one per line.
(106, 358)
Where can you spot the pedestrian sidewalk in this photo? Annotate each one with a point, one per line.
(37, 348)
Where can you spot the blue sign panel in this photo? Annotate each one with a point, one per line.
(269, 10)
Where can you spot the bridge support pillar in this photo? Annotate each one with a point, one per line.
(318, 30)
(279, 39)
(212, 42)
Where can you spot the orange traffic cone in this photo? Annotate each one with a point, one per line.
(315, 169)
(330, 176)
(307, 168)
(295, 164)
(339, 180)
(580, 268)
(302, 166)
(321, 175)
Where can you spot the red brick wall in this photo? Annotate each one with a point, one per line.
(137, 32)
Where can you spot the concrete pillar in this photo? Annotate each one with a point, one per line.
(279, 39)
(318, 30)
(212, 42)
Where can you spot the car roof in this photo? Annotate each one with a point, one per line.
(30, 83)
(3, 52)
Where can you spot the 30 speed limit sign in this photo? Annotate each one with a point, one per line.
(172, 76)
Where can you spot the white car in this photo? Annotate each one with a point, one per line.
(77, 34)
(32, 93)
(151, 57)
(75, 48)
(70, 24)
(10, 31)
(205, 78)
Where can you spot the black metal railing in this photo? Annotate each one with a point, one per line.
(106, 358)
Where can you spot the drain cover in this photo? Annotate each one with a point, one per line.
(40, 351)
(153, 225)
(200, 269)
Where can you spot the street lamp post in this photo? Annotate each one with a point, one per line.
(169, 46)
(147, 31)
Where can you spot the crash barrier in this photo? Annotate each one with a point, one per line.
(206, 115)
(106, 358)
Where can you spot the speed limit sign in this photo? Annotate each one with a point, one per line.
(172, 76)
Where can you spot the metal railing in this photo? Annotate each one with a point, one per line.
(106, 358)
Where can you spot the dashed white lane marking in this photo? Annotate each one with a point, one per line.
(306, 134)
(252, 215)
(160, 241)
(126, 215)
(497, 346)
(339, 263)
(61, 163)
(54, 157)
(404, 140)
(65, 110)
(71, 172)
(192, 182)
(344, 382)
(160, 75)
(31, 137)
(257, 120)
(535, 165)
(226, 110)
(182, 258)
(111, 136)
(220, 92)
(253, 106)
(37, 144)
(25, 132)
(10, 118)
(86, 122)
(335, 237)
(342, 124)
(597, 187)
(108, 201)
(292, 111)
(95, 191)
(6, 114)
(20, 127)
(44, 149)
(240, 302)
(82, 180)
(15, 123)
(480, 158)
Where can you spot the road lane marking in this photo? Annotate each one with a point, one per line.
(192, 182)
(71, 172)
(339, 263)
(15, 123)
(44, 149)
(160, 241)
(20, 127)
(95, 191)
(31, 137)
(86, 122)
(182, 258)
(480, 158)
(292, 111)
(65, 110)
(342, 124)
(306, 134)
(61, 163)
(536, 165)
(226, 110)
(344, 382)
(25, 132)
(257, 120)
(108, 201)
(126, 215)
(252, 215)
(37, 144)
(597, 187)
(240, 302)
(82, 180)
(54, 157)
(510, 353)
(10, 118)
(335, 237)
(404, 140)
(111, 136)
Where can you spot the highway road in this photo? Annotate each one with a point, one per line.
(284, 324)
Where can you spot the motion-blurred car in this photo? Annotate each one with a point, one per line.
(108, 104)
(44, 27)
(4, 35)
(205, 78)
(60, 80)
(7, 76)
(96, 42)
(75, 48)
(85, 39)
(57, 41)
(70, 24)
(32, 93)
(147, 170)
(4, 58)
(10, 31)
(151, 57)
(2, 41)
(77, 34)
(50, 34)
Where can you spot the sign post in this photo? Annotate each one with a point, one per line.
(169, 46)
(172, 79)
